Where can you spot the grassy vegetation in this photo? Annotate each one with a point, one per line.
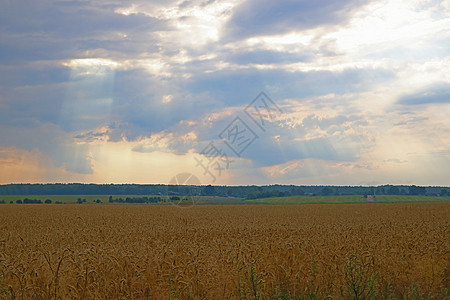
(344, 199)
(233, 200)
(392, 198)
(105, 198)
(308, 200)
(61, 198)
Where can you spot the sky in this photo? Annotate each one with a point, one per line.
(348, 92)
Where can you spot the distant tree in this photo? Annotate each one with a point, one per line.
(326, 191)
(19, 201)
(209, 190)
(98, 201)
(11, 202)
(297, 191)
(393, 190)
(79, 200)
(265, 194)
(48, 201)
(32, 201)
(417, 190)
(110, 199)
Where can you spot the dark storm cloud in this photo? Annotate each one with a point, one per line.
(62, 30)
(266, 152)
(46, 106)
(139, 102)
(27, 104)
(438, 93)
(32, 74)
(279, 143)
(267, 17)
(82, 19)
(238, 87)
(40, 30)
(268, 57)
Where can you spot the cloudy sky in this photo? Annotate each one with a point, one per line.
(108, 91)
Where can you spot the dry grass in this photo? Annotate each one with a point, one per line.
(221, 252)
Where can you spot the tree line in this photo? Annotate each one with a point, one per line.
(249, 192)
(30, 201)
(136, 200)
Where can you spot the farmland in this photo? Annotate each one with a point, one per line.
(68, 199)
(224, 252)
(345, 199)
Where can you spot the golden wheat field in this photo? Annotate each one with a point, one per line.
(355, 251)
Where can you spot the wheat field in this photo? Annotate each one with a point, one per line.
(354, 251)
